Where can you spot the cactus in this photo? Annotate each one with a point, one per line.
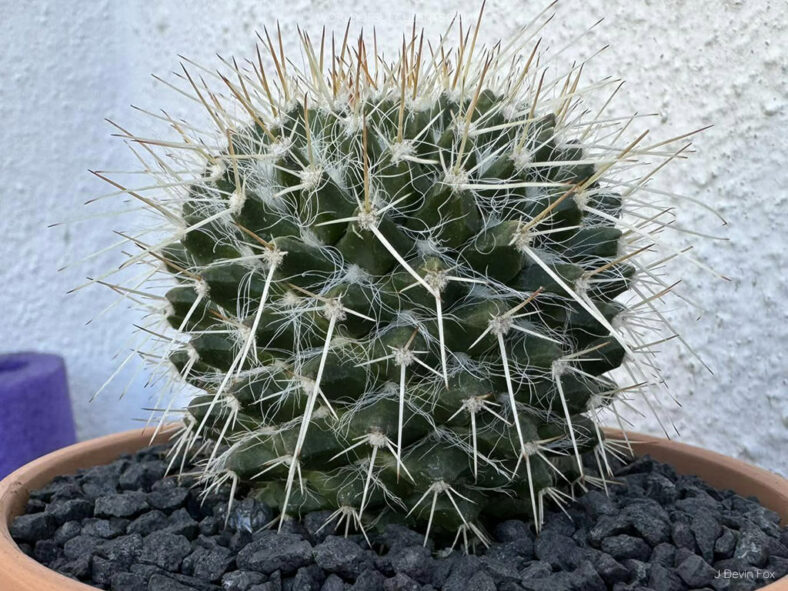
(400, 286)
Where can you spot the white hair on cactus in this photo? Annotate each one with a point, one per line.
(376, 237)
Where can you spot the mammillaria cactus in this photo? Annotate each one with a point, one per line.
(400, 285)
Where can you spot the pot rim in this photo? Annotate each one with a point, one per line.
(22, 573)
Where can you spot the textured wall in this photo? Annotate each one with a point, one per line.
(67, 65)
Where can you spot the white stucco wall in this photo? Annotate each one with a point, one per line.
(65, 65)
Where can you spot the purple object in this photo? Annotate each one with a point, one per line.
(35, 411)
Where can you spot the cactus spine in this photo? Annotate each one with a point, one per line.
(400, 285)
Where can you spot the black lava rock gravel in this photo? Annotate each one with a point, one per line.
(128, 527)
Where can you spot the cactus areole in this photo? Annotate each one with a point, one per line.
(398, 286)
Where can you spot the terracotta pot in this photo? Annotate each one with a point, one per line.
(19, 572)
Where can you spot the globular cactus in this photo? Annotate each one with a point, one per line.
(401, 285)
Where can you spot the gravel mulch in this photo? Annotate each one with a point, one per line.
(127, 527)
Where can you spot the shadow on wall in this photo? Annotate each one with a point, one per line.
(35, 410)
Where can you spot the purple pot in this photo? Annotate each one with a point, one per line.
(35, 410)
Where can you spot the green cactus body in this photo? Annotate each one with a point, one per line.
(399, 350)
(398, 287)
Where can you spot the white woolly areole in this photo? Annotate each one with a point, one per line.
(560, 367)
(179, 231)
(310, 177)
(376, 438)
(427, 246)
(403, 356)
(242, 334)
(422, 102)
(522, 238)
(194, 356)
(522, 158)
(440, 486)
(620, 320)
(356, 274)
(367, 219)
(501, 325)
(310, 238)
(351, 124)
(338, 103)
(622, 247)
(402, 150)
(273, 256)
(307, 384)
(581, 199)
(459, 126)
(595, 401)
(280, 147)
(236, 202)
(437, 280)
(216, 170)
(231, 402)
(390, 389)
(453, 94)
(473, 404)
(456, 178)
(333, 308)
(582, 284)
(530, 448)
(290, 299)
(201, 288)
